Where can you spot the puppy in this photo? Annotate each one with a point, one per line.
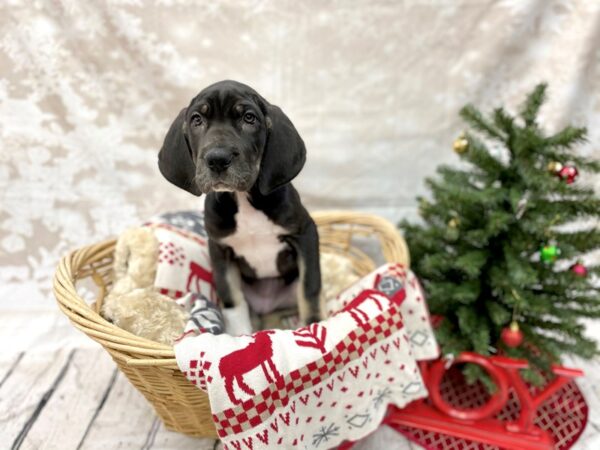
(242, 152)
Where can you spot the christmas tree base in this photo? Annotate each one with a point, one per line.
(517, 416)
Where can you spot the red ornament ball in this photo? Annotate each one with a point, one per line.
(568, 174)
(579, 269)
(511, 335)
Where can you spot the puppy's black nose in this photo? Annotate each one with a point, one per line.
(219, 159)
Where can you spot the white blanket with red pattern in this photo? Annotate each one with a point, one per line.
(322, 384)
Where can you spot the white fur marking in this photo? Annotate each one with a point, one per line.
(256, 238)
(220, 188)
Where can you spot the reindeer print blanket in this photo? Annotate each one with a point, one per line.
(319, 385)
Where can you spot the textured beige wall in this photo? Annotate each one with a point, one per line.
(88, 89)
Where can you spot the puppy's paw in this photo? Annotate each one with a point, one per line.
(314, 318)
(311, 310)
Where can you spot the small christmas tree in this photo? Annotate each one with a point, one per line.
(492, 256)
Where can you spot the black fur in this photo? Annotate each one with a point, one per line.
(230, 138)
(175, 158)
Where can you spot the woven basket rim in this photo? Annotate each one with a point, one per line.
(123, 344)
(94, 325)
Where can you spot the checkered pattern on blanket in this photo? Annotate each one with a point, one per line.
(319, 385)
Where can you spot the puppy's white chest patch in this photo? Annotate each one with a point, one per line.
(256, 238)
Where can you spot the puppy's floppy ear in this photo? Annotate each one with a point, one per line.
(284, 154)
(175, 157)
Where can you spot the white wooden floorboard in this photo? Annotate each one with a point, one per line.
(385, 438)
(127, 421)
(26, 391)
(168, 440)
(124, 422)
(8, 363)
(74, 404)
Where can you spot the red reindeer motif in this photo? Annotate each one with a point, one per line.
(197, 275)
(360, 316)
(258, 353)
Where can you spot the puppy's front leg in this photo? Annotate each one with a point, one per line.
(310, 307)
(226, 275)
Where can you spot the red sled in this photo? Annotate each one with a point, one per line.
(516, 416)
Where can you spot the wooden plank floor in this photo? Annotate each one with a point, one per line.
(75, 398)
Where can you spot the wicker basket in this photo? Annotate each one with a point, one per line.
(150, 366)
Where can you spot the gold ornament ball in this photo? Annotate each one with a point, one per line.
(461, 144)
(454, 222)
(554, 167)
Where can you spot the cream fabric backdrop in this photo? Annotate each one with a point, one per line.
(88, 90)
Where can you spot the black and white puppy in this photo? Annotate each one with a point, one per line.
(234, 146)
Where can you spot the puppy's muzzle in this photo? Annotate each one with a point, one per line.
(219, 159)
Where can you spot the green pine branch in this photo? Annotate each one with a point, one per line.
(504, 122)
(533, 103)
(478, 250)
(473, 116)
(569, 158)
(567, 138)
(479, 156)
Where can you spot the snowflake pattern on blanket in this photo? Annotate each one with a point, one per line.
(322, 384)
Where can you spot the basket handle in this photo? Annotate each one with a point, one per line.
(393, 245)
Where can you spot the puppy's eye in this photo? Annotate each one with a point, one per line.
(249, 118)
(196, 120)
